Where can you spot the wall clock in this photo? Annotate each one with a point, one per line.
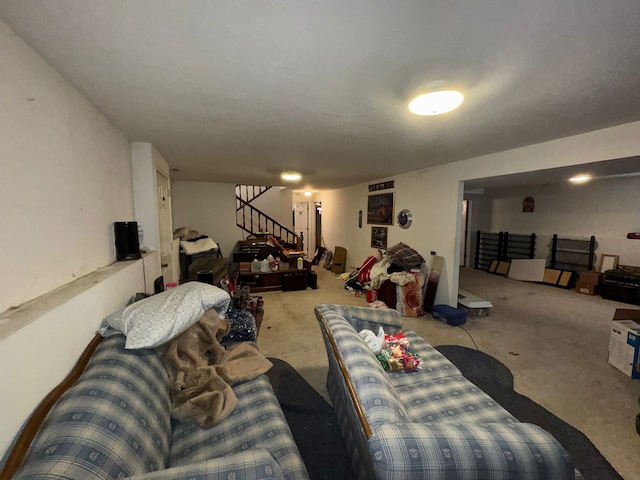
(405, 218)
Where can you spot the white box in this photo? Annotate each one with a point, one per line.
(624, 347)
(474, 306)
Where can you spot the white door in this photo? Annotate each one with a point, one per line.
(301, 224)
(165, 227)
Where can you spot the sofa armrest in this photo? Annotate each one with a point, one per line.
(255, 464)
(362, 318)
(452, 450)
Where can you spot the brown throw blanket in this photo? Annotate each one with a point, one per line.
(202, 371)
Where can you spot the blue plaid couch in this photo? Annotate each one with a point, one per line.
(426, 424)
(115, 422)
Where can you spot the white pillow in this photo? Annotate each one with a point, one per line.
(157, 319)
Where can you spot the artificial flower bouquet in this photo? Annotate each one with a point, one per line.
(396, 354)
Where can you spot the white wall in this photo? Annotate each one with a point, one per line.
(146, 161)
(434, 196)
(209, 208)
(66, 178)
(49, 342)
(277, 203)
(608, 209)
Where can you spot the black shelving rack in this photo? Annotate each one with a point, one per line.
(576, 254)
(502, 246)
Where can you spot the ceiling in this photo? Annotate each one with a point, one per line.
(237, 91)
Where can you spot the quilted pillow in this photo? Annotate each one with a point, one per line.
(160, 318)
(404, 256)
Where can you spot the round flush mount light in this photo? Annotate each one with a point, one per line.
(290, 176)
(581, 178)
(436, 103)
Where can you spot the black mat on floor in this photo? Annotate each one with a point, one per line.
(313, 424)
(495, 379)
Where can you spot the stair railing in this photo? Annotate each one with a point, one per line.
(253, 220)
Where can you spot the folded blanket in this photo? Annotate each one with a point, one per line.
(201, 371)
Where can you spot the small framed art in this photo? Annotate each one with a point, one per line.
(379, 237)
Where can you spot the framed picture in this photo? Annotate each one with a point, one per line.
(380, 209)
(379, 237)
(608, 262)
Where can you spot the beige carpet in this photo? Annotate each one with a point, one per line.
(554, 341)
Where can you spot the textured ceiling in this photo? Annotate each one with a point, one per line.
(237, 91)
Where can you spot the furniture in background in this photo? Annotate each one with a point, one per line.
(573, 254)
(287, 278)
(199, 253)
(252, 248)
(427, 423)
(339, 260)
(502, 246)
(621, 284)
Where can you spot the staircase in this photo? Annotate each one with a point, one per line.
(253, 220)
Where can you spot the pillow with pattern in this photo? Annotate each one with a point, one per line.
(157, 319)
(404, 256)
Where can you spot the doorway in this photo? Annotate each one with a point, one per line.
(318, 218)
(165, 233)
(301, 224)
(464, 233)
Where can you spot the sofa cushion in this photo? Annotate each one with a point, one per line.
(256, 422)
(256, 464)
(114, 421)
(433, 364)
(451, 399)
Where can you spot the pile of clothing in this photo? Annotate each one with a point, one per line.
(396, 277)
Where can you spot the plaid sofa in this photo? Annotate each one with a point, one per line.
(427, 424)
(115, 422)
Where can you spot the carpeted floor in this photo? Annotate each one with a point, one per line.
(496, 380)
(314, 425)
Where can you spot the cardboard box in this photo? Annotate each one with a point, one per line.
(624, 347)
(587, 288)
(589, 283)
(592, 278)
(627, 314)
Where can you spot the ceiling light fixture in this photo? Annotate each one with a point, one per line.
(582, 178)
(436, 103)
(307, 194)
(290, 176)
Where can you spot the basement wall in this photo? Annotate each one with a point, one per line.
(434, 196)
(608, 209)
(209, 208)
(66, 178)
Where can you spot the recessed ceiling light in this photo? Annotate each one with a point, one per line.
(582, 178)
(436, 103)
(290, 176)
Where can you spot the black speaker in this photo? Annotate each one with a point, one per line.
(127, 244)
(205, 276)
